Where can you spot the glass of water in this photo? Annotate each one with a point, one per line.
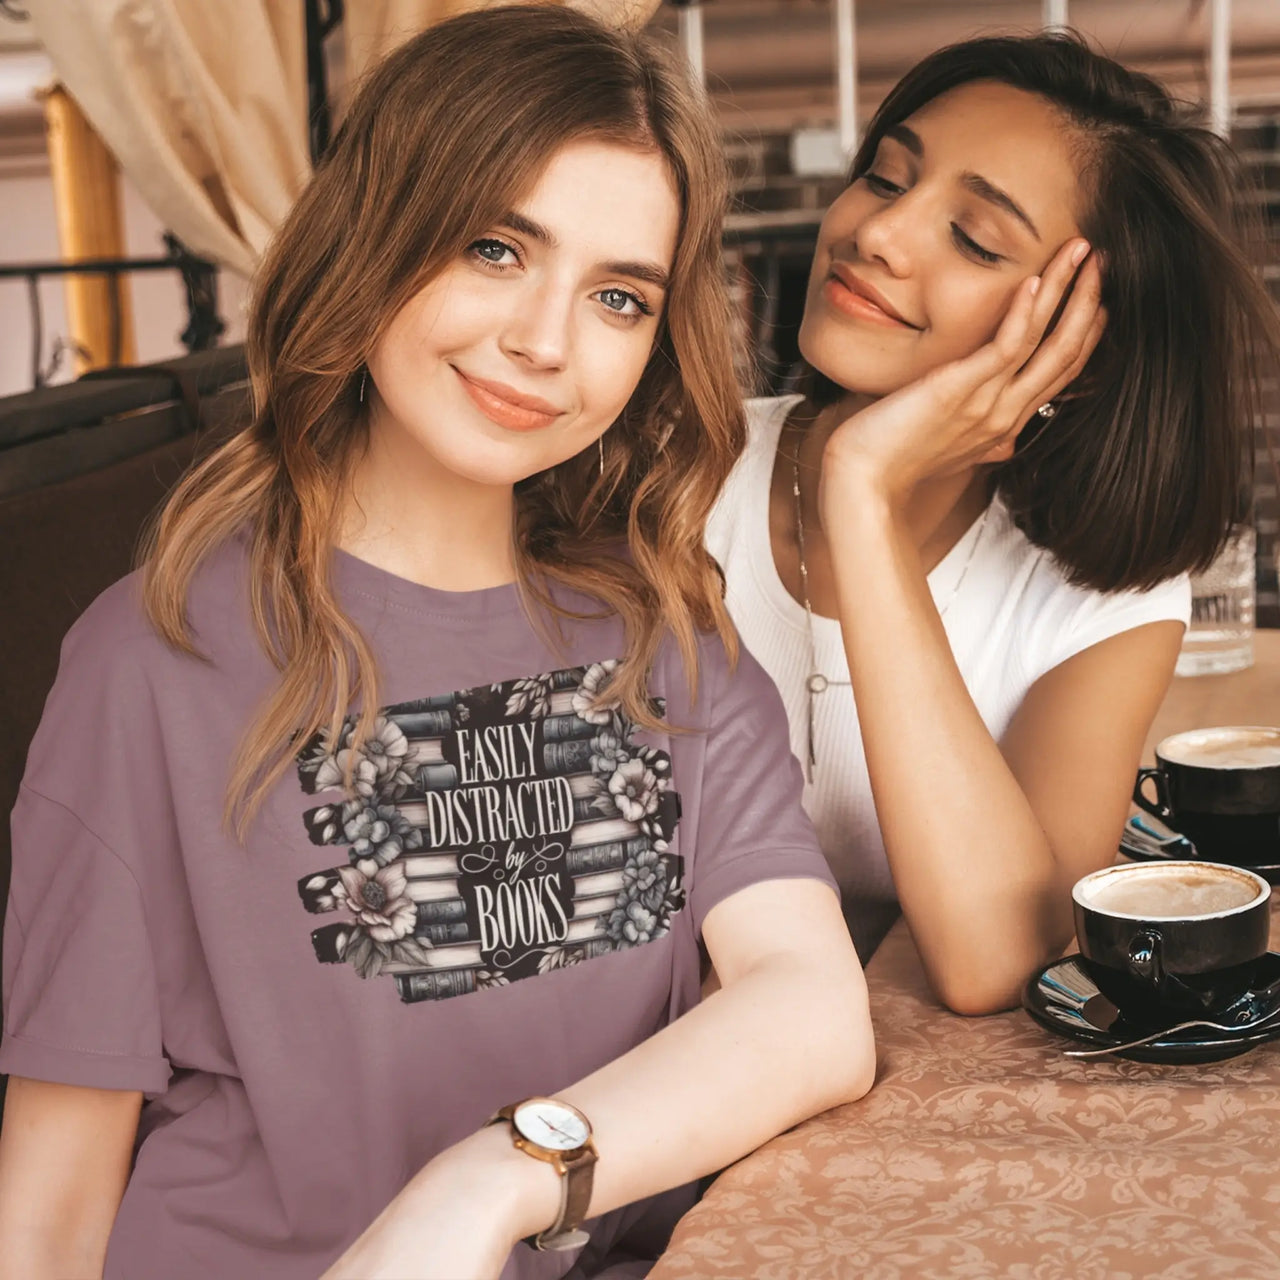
(1220, 637)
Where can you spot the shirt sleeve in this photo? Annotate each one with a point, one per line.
(1094, 616)
(752, 826)
(81, 1004)
(92, 825)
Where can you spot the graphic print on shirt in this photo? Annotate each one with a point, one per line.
(493, 834)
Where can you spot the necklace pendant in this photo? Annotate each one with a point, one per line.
(817, 683)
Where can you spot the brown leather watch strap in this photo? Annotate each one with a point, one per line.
(575, 1199)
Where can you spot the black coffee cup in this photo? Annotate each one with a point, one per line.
(1169, 941)
(1221, 789)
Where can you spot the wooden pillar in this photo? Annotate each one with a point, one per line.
(86, 193)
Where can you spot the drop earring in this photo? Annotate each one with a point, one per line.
(600, 446)
(364, 377)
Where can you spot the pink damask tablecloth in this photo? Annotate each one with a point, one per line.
(983, 1153)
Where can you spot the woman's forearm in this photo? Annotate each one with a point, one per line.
(34, 1251)
(974, 870)
(64, 1162)
(757, 1057)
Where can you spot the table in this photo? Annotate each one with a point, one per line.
(983, 1154)
(1244, 697)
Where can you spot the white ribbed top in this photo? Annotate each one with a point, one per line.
(1014, 618)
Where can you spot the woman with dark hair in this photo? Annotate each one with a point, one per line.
(372, 832)
(962, 553)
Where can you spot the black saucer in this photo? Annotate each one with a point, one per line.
(1063, 998)
(1146, 839)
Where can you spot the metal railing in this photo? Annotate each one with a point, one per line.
(199, 278)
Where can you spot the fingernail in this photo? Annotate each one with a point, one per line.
(1079, 253)
(1035, 285)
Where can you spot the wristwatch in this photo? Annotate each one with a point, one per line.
(559, 1134)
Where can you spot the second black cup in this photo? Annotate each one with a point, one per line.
(1221, 789)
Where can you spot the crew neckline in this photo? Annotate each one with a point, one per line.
(942, 579)
(360, 577)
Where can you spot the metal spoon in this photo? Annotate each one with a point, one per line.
(1269, 1016)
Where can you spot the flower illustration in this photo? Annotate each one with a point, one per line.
(380, 832)
(386, 749)
(313, 753)
(650, 894)
(319, 756)
(634, 789)
(658, 763)
(607, 752)
(379, 899)
(632, 925)
(587, 702)
(644, 880)
(376, 767)
(333, 773)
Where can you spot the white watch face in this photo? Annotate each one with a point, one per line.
(550, 1124)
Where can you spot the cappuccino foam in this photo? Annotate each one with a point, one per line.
(1229, 748)
(1172, 894)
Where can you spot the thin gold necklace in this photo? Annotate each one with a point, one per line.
(816, 682)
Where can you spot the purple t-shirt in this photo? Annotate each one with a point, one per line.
(506, 896)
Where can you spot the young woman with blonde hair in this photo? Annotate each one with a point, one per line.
(371, 834)
(1034, 344)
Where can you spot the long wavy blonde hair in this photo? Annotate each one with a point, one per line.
(440, 141)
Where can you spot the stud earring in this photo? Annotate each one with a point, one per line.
(1047, 410)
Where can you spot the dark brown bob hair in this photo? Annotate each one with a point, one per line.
(1149, 460)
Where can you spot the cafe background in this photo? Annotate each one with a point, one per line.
(154, 144)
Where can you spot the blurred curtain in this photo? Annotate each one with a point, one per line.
(203, 102)
(375, 27)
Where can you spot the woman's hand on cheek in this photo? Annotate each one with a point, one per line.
(970, 411)
(460, 1216)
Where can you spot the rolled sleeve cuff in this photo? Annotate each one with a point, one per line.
(727, 878)
(57, 1064)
